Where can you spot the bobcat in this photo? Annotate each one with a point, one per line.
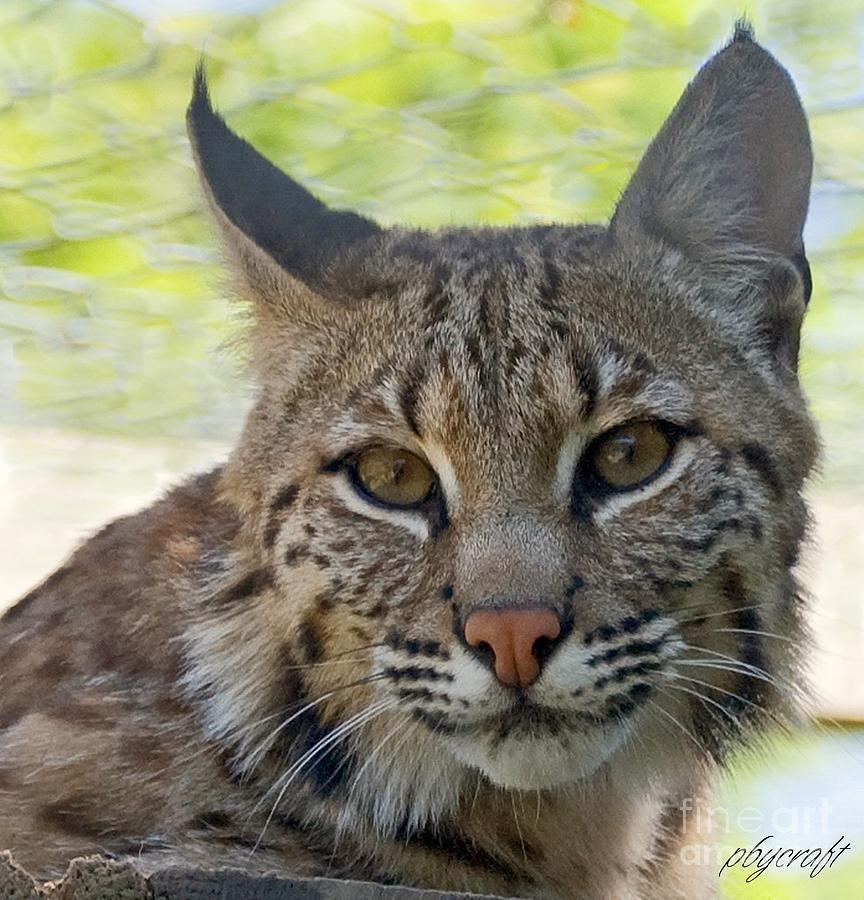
(487, 589)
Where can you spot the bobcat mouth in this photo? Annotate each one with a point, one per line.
(526, 718)
(558, 732)
(531, 747)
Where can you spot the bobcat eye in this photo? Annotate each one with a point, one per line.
(394, 477)
(631, 454)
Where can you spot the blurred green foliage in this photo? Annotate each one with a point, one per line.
(801, 792)
(112, 312)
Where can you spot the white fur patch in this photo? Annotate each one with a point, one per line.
(685, 453)
(407, 519)
(610, 370)
(406, 782)
(568, 457)
(440, 462)
(536, 763)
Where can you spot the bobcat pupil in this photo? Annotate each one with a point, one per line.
(621, 451)
(631, 454)
(395, 477)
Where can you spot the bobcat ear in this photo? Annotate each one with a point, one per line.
(728, 175)
(259, 206)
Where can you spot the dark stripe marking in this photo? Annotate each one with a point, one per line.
(576, 584)
(309, 641)
(436, 722)
(550, 286)
(78, 815)
(416, 673)
(590, 387)
(606, 632)
(409, 398)
(703, 545)
(759, 460)
(459, 848)
(582, 505)
(634, 648)
(437, 304)
(717, 735)
(416, 647)
(282, 501)
(336, 763)
(294, 553)
(217, 818)
(422, 693)
(252, 584)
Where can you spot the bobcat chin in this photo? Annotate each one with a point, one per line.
(479, 600)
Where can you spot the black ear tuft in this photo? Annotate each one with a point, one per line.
(274, 212)
(200, 92)
(743, 31)
(729, 172)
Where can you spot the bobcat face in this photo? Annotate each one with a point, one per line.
(516, 502)
(502, 390)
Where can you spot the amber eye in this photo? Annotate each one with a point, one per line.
(631, 454)
(394, 477)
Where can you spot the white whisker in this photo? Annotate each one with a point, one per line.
(717, 687)
(770, 634)
(677, 723)
(741, 669)
(351, 724)
(399, 726)
(713, 615)
(258, 752)
(703, 699)
(756, 671)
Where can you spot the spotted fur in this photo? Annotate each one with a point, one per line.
(266, 669)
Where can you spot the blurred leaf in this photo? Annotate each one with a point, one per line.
(424, 111)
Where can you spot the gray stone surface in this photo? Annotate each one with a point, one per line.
(15, 883)
(95, 878)
(188, 884)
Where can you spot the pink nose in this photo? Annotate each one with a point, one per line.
(512, 635)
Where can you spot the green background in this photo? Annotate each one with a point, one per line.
(113, 317)
(497, 111)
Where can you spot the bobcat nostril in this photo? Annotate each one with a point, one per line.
(486, 651)
(514, 641)
(543, 648)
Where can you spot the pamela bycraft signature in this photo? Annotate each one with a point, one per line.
(764, 857)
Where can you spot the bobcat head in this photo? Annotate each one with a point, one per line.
(516, 503)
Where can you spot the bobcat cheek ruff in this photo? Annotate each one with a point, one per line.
(502, 565)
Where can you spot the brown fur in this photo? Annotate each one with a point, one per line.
(264, 669)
